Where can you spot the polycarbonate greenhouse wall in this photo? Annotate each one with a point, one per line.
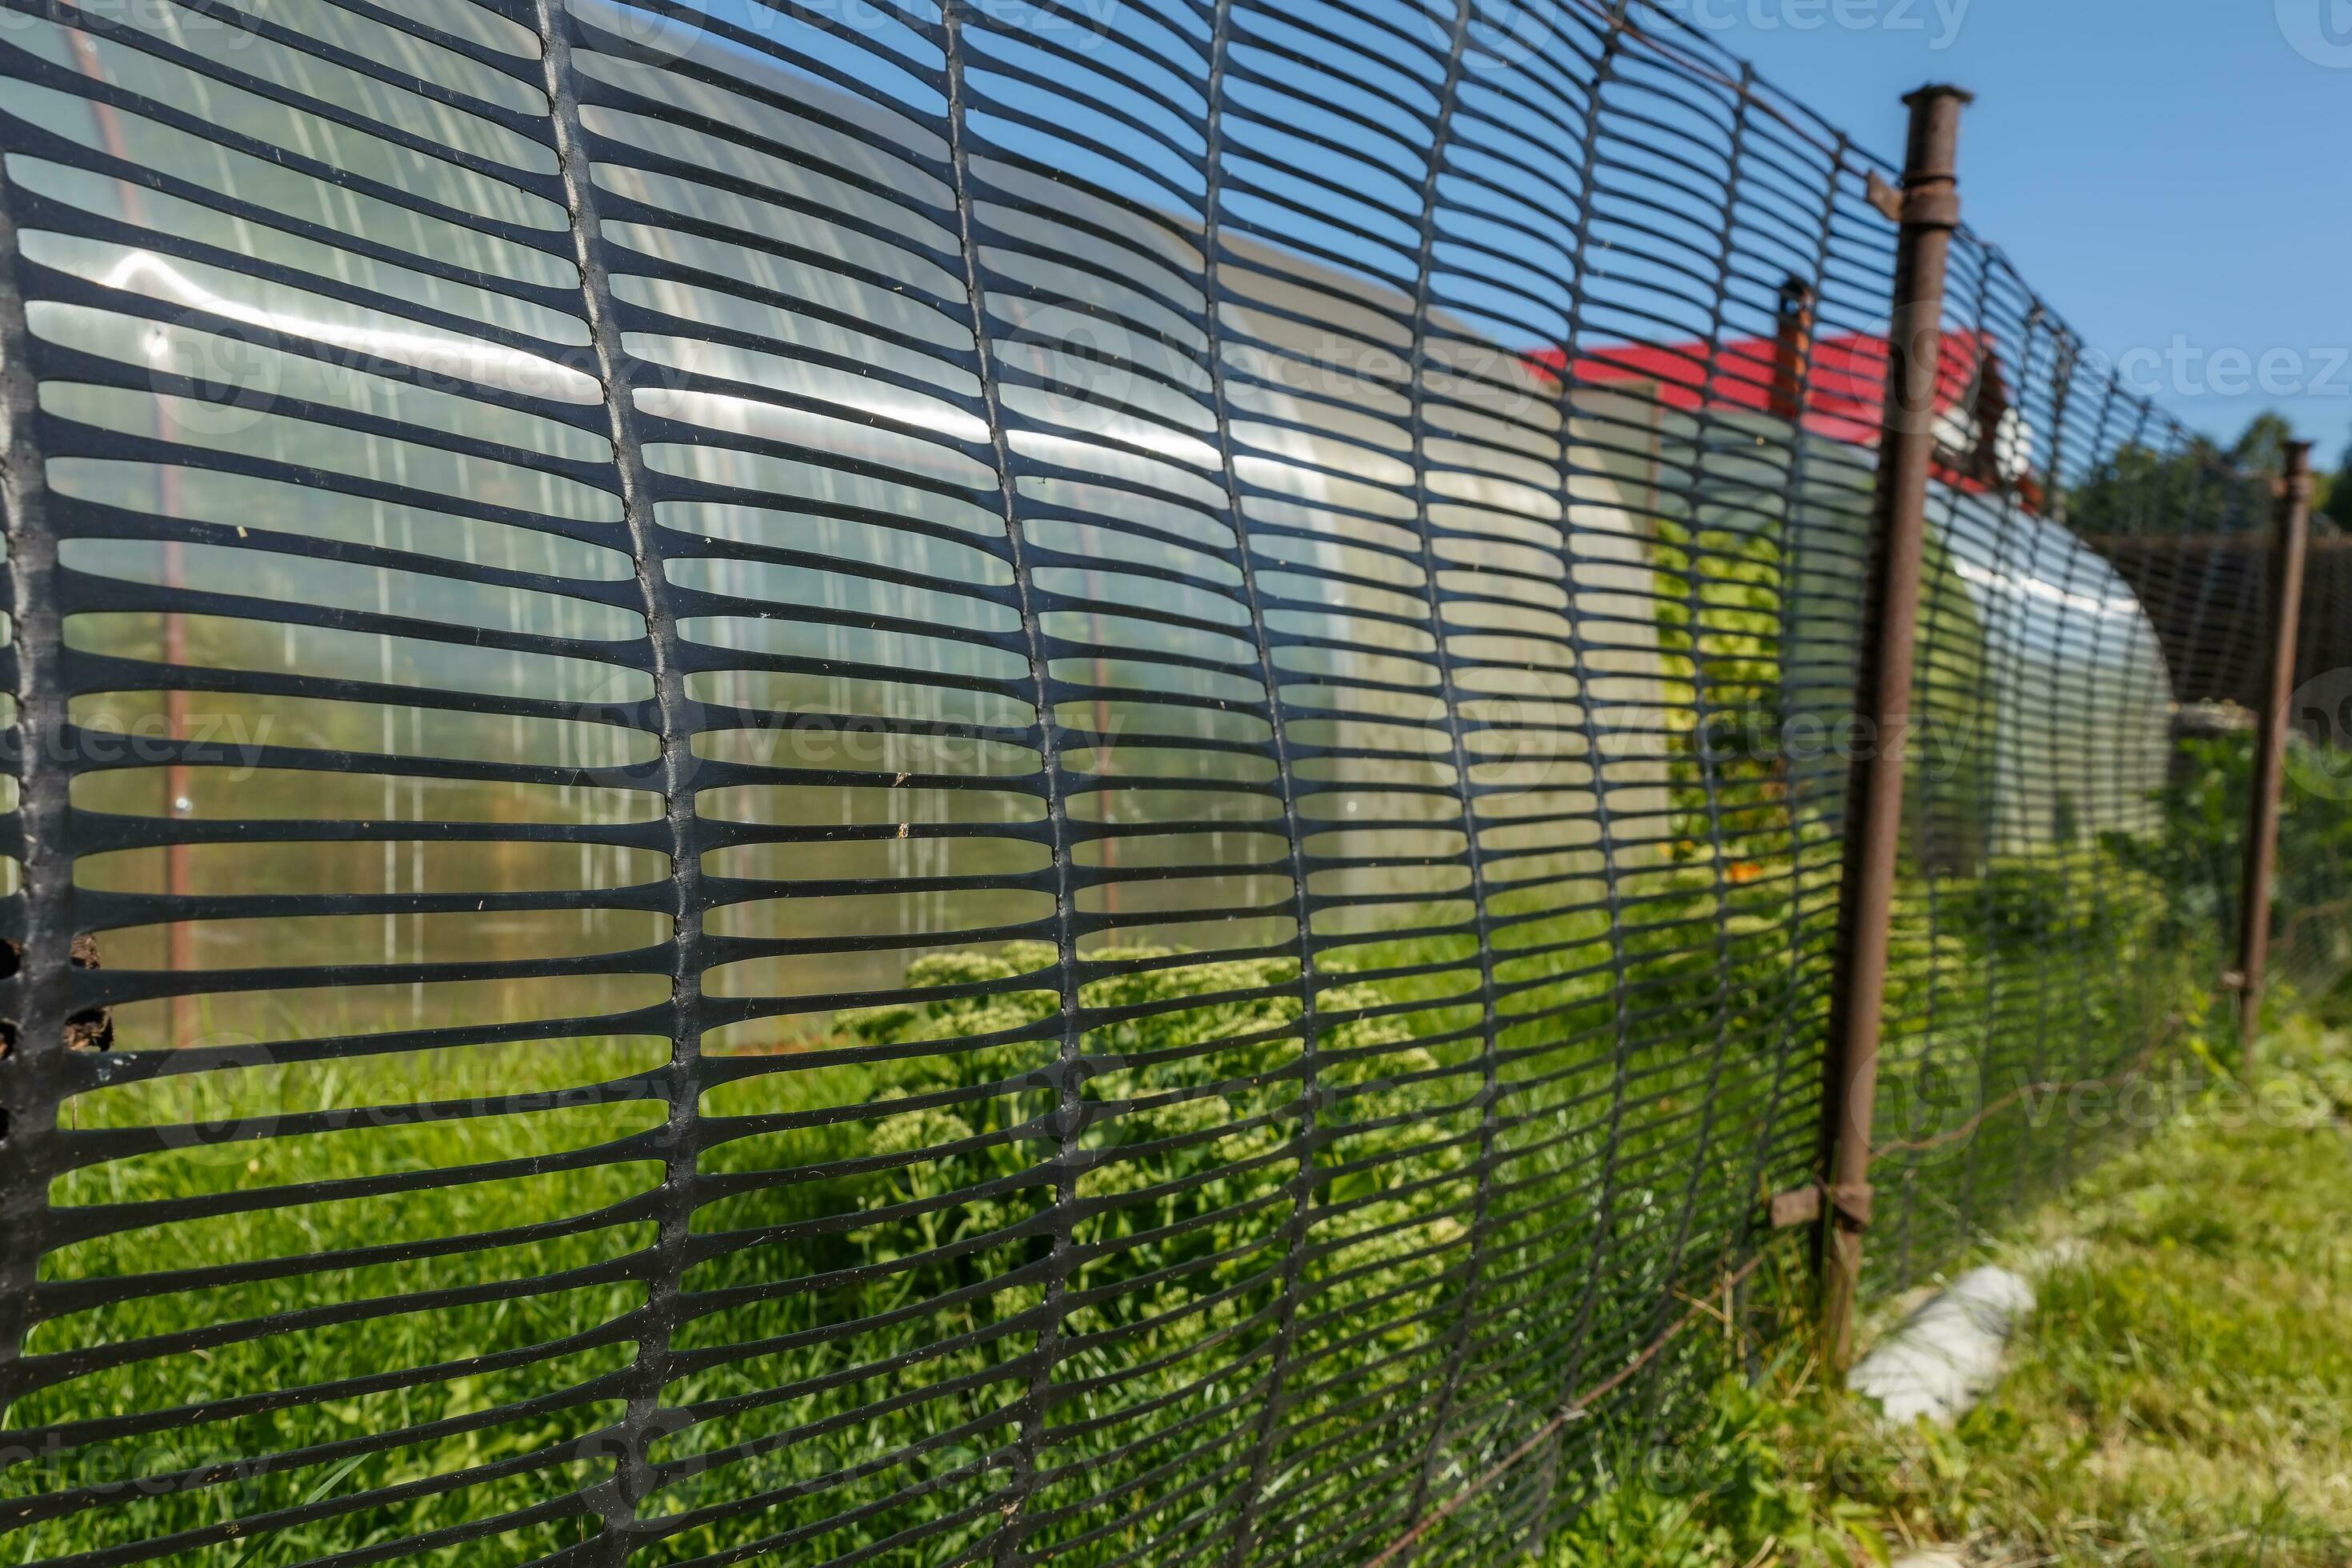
(847, 783)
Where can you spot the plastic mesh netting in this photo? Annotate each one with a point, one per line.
(861, 783)
(2093, 647)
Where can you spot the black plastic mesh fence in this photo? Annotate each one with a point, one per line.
(2312, 920)
(2094, 641)
(860, 785)
(2076, 826)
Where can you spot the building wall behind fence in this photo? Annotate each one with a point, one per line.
(1092, 813)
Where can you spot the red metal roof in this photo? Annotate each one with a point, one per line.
(1845, 398)
(1846, 393)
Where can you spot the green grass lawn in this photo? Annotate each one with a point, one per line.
(2184, 1396)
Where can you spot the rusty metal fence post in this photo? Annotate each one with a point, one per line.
(1930, 213)
(1792, 348)
(2287, 567)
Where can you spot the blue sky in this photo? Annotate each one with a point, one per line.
(2169, 174)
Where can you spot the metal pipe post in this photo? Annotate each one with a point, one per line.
(1793, 349)
(2287, 568)
(1930, 214)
